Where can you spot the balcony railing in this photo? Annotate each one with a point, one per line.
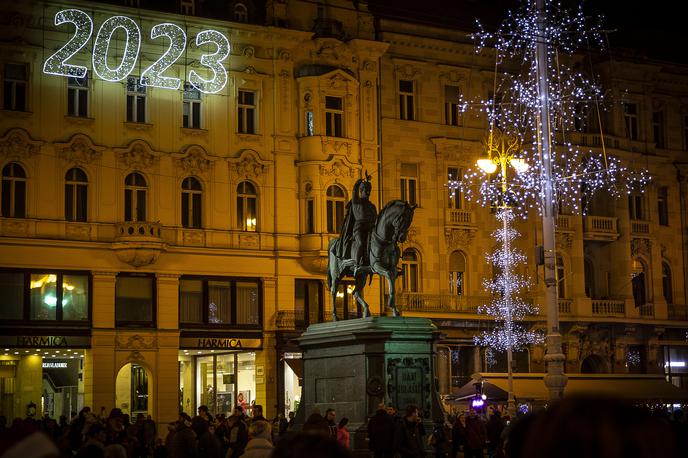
(459, 217)
(678, 312)
(600, 227)
(608, 307)
(639, 227)
(647, 310)
(290, 319)
(564, 222)
(137, 229)
(565, 306)
(421, 302)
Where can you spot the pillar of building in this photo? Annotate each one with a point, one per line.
(166, 407)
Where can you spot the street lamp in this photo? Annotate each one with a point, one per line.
(501, 150)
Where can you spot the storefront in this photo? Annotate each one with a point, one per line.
(219, 372)
(42, 375)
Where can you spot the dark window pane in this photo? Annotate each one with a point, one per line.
(20, 199)
(340, 215)
(7, 95)
(219, 302)
(70, 102)
(333, 103)
(185, 209)
(185, 114)
(130, 108)
(140, 205)
(250, 126)
(20, 97)
(140, 109)
(127, 204)
(83, 103)
(69, 202)
(197, 115)
(74, 297)
(191, 301)
(409, 108)
(240, 212)
(6, 197)
(310, 218)
(12, 294)
(240, 120)
(81, 202)
(247, 303)
(330, 221)
(43, 296)
(134, 299)
(405, 86)
(197, 210)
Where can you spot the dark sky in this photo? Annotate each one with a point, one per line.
(655, 29)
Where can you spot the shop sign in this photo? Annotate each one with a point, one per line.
(220, 343)
(45, 341)
(54, 364)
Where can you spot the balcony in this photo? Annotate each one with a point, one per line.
(290, 320)
(647, 311)
(138, 243)
(421, 302)
(609, 307)
(640, 228)
(459, 218)
(600, 228)
(565, 306)
(565, 223)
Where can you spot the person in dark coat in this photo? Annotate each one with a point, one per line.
(182, 443)
(408, 435)
(458, 435)
(495, 426)
(316, 424)
(438, 440)
(208, 445)
(237, 433)
(381, 433)
(476, 436)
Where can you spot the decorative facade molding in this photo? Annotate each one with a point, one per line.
(138, 155)
(135, 342)
(564, 240)
(641, 247)
(17, 145)
(248, 166)
(194, 160)
(338, 168)
(79, 150)
(456, 238)
(407, 71)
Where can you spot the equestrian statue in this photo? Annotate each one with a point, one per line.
(368, 244)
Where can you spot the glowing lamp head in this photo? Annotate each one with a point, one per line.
(519, 164)
(486, 165)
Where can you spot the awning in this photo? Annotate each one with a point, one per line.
(296, 364)
(531, 387)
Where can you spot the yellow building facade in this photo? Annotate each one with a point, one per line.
(165, 223)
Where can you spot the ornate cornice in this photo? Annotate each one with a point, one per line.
(138, 155)
(79, 150)
(17, 145)
(194, 160)
(248, 166)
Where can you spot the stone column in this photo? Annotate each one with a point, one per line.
(166, 403)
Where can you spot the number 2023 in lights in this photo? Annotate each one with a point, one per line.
(153, 74)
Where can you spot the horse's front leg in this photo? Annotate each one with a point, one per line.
(391, 302)
(358, 293)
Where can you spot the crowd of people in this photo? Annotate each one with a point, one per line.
(570, 428)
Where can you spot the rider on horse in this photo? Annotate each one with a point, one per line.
(358, 224)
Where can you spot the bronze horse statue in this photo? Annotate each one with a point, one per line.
(391, 228)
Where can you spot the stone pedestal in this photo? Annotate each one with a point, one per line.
(353, 365)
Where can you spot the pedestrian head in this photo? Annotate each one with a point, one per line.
(343, 422)
(330, 415)
(391, 410)
(411, 412)
(257, 410)
(259, 430)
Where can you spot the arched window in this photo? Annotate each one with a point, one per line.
(135, 189)
(13, 191)
(667, 289)
(246, 206)
(589, 271)
(335, 208)
(76, 195)
(191, 202)
(410, 265)
(457, 273)
(561, 278)
(240, 13)
(639, 283)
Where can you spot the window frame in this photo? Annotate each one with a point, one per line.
(242, 200)
(334, 118)
(59, 294)
(74, 93)
(455, 198)
(663, 206)
(187, 7)
(154, 302)
(667, 283)
(409, 185)
(79, 189)
(320, 312)
(132, 202)
(658, 130)
(189, 194)
(631, 121)
(406, 267)
(452, 113)
(404, 97)
(239, 14)
(14, 83)
(191, 105)
(332, 207)
(233, 313)
(636, 207)
(13, 199)
(140, 91)
(246, 111)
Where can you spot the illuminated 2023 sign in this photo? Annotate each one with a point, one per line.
(57, 64)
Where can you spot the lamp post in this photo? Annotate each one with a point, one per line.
(501, 150)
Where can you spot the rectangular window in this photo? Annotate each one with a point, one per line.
(453, 113)
(136, 100)
(188, 7)
(134, 300)
(635, 207)
(631, 120)
(309, 123)
(191, 110)
(455, 201)
(663, 206)
(49, 296)
(14, 87)
(246, 112)
(77, 96)
(658, 128)
(308, 301)
(406, 105)
(409, 182)
(219, 301)
(310, 217)
(334, 113)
